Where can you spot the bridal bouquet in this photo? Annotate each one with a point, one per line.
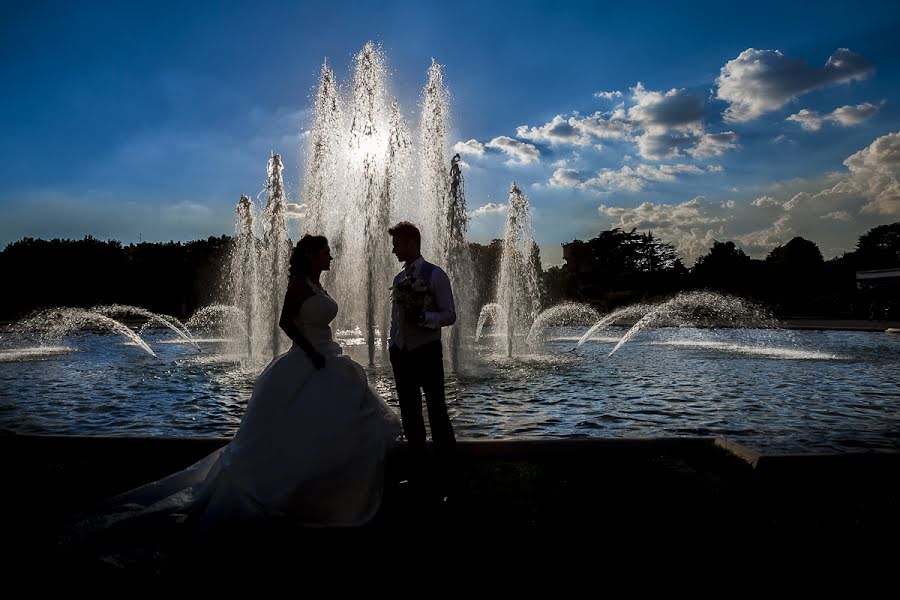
(412, 296)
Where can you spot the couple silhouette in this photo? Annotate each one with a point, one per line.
(311, 445)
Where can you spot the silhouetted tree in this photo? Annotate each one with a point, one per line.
(879, 248)
(725, 267)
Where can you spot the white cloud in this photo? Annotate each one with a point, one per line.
(715, 168)
(634, 179)
(764, 201)
(612, 125)
(491, 208)
(662, 124)
(557, 131)
(760, 81)
(808, 119)
(714, 144)
(866, 196)
(691, 226)
(728, 204)
(472, 147)
(560, 163)
(846, 115)
(565, 178)
(875, 174)
(608, 95)
(761, 241)
(295, 211)
(838, 215)
(660, 146)
(657, 112)
(520, 153)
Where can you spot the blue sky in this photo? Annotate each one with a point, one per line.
(701, 121)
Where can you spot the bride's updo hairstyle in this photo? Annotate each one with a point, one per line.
(306, 248)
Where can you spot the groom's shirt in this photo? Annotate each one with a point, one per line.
(404, 335)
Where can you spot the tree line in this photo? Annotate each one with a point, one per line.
(621, 267)
(615, 268)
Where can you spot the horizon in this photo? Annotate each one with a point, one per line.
(130, 124)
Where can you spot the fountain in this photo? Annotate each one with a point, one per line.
(517, 294)
(115, 310)
(566, 314)
(258, 271)
(459, 262)
(56, 322)
(693, 309)
(628, 312)
(358, 179)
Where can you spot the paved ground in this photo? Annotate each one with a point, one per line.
(679, 501)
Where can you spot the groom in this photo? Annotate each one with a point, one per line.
(422, 303)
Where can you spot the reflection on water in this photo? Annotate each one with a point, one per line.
(772, 390)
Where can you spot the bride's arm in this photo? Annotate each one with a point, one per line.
(297, 292)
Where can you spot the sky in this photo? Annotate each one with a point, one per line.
(696, 121)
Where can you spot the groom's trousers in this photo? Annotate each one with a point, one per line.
(416, 371)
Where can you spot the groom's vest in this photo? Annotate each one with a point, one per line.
(407, 334)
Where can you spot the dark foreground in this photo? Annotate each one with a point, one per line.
(688, 502)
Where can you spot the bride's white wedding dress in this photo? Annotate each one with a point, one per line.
(310, 447)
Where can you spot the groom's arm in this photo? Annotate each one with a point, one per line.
(443, 299)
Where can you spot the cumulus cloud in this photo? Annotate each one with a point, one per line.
(473, 147)
(661, 146)
(715, 168)
(295, 211)
(657, 112)
(557, 131)
(765, 201)
(662, 124)
(608, 95)
(760, 81)
(565, 178)
(762, 240)
(714, 144)
(838, 215)
(691, 226)
(875, 174)
(634, 179)
(520, 153)
(846, 115)
(864, 195)
(491, 208)
(611, 125)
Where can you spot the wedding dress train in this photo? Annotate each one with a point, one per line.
(310, 448)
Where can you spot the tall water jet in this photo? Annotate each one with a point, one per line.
(368, 138)
(517, 291)
(396, 183)
(435, 149)
(275, 252)
(459, 260)
(360, 177)
(323, 155)
(245, 283)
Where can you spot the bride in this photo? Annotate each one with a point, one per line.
(311, 444)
